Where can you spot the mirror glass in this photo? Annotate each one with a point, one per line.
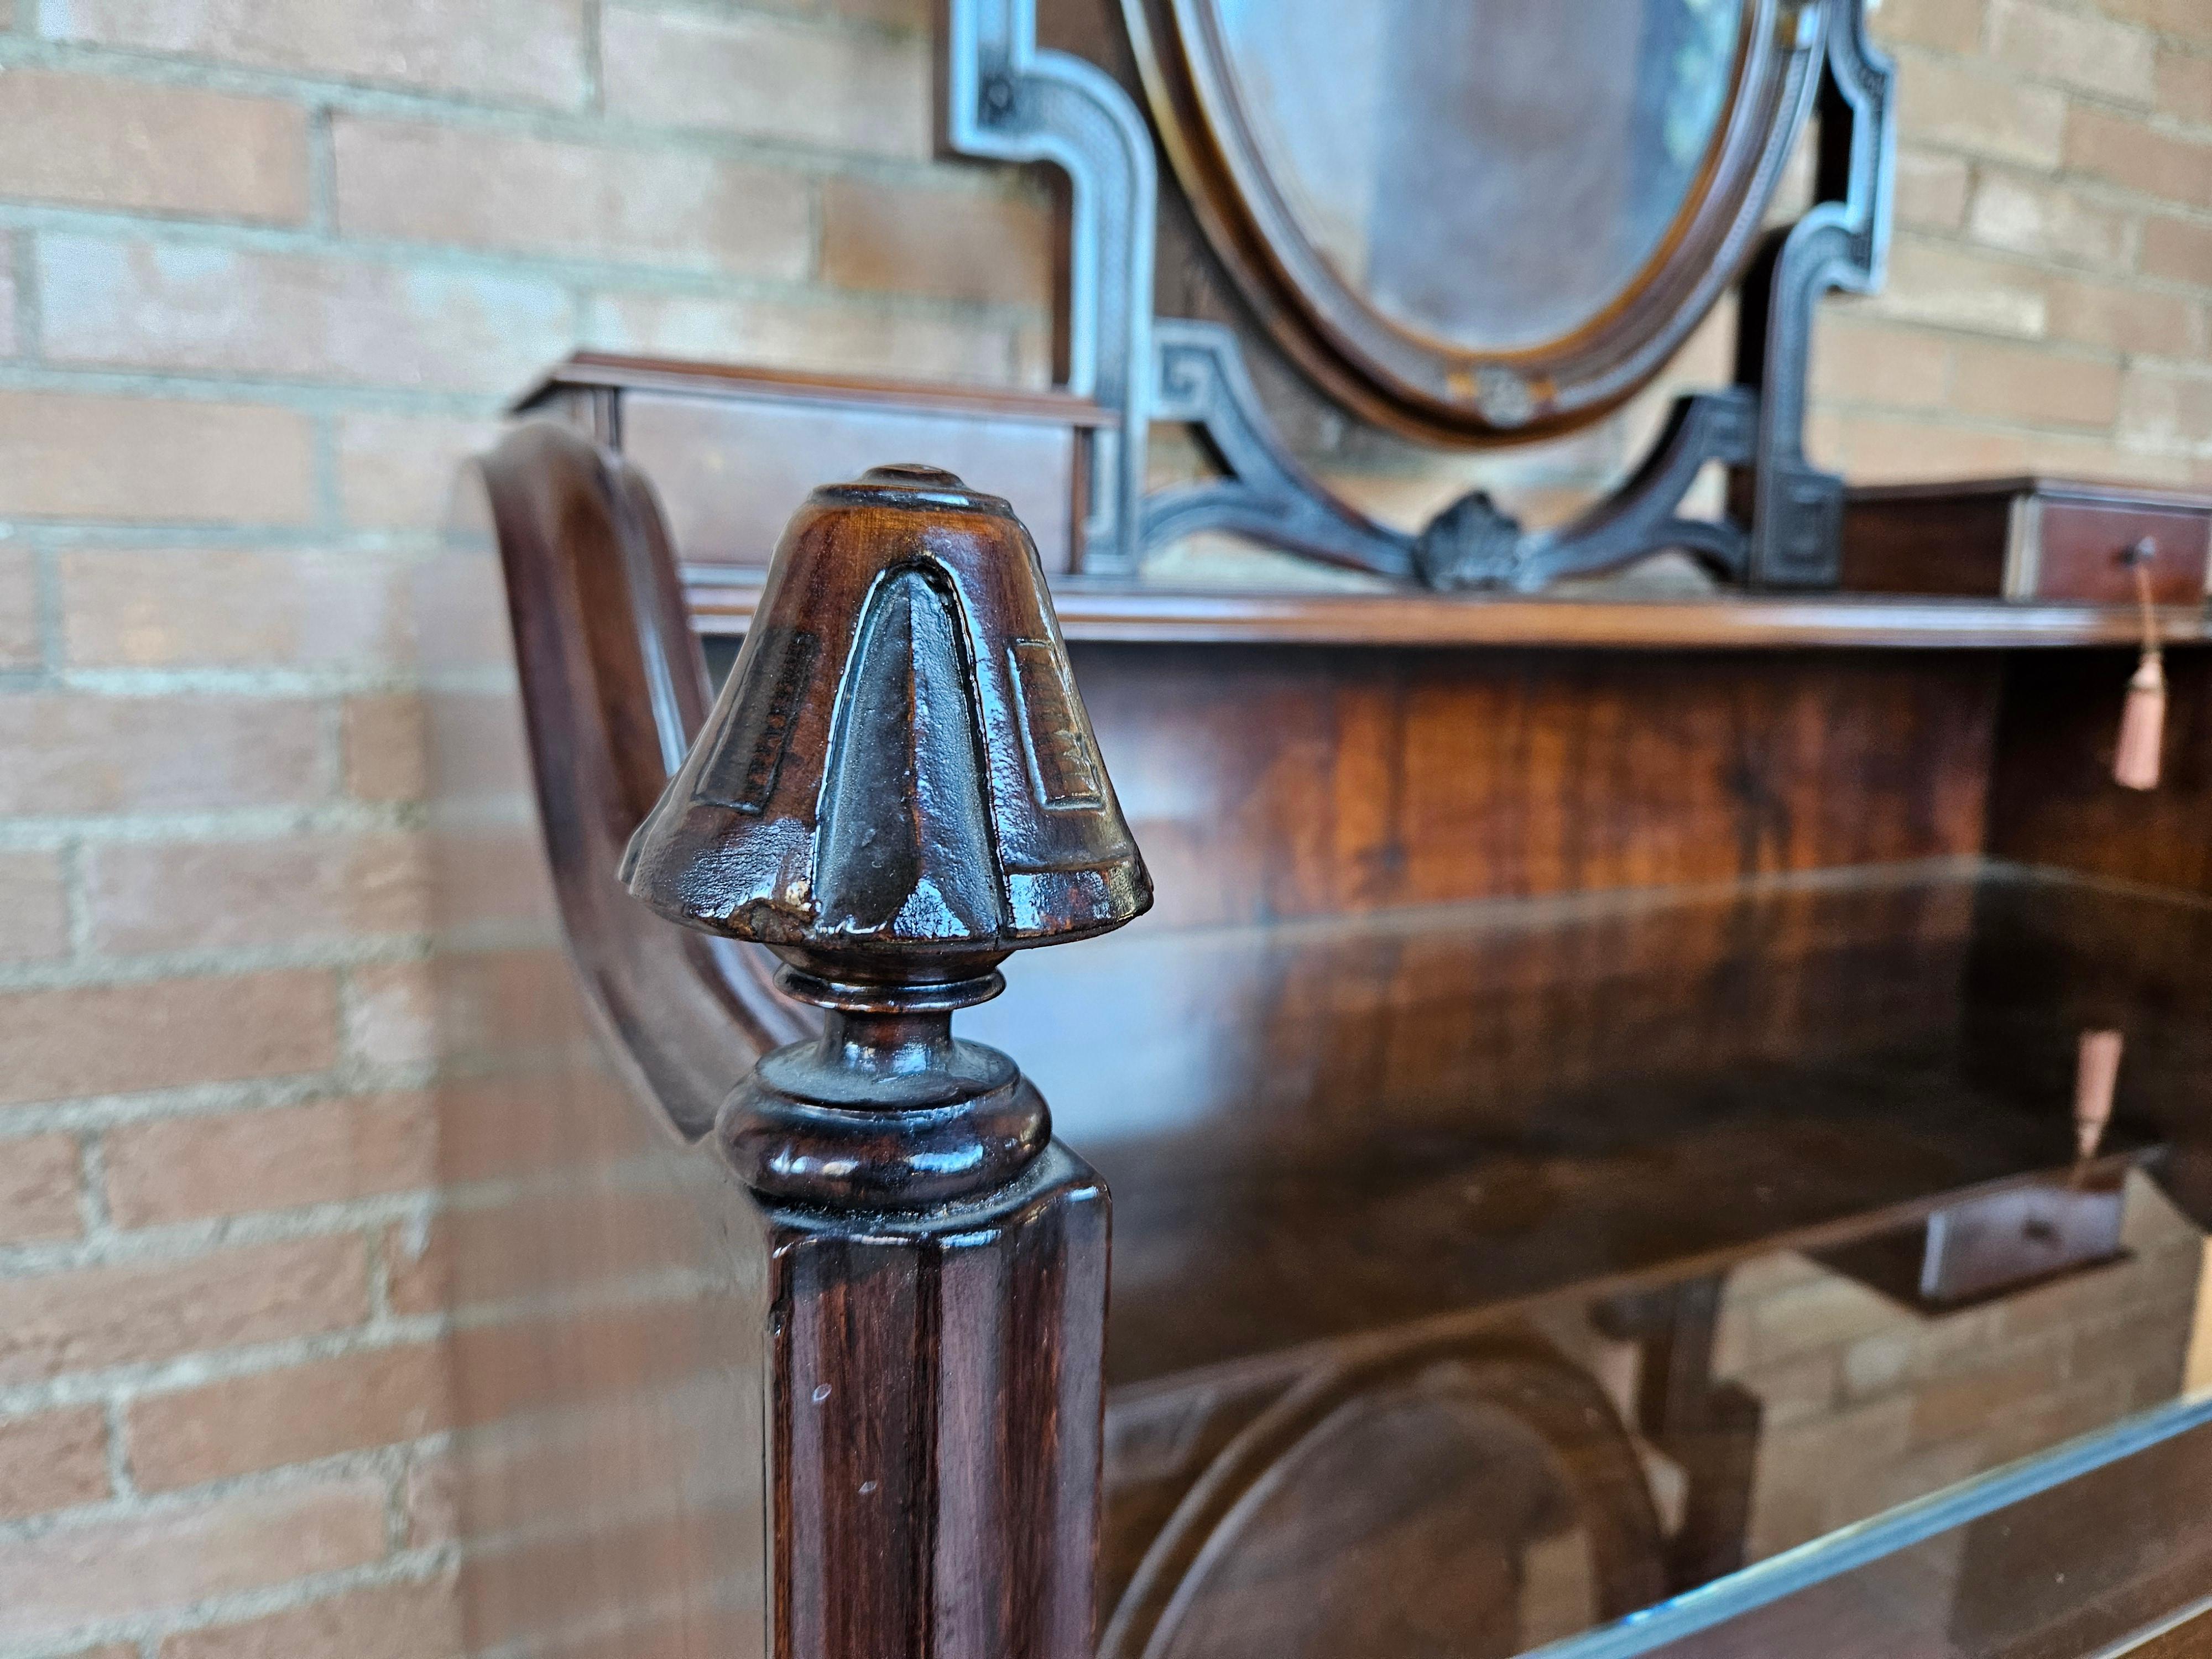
(1488, 174)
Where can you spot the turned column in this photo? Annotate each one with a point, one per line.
(897, 788)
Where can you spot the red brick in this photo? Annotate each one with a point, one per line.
(140, 304)
(2096, 54)
(2130, 153)
(381, 736)
(215, 607)
(112, 1039)
(34, 909)
(2033, 387)
(9, 342)
(530, 50)
(530, 1122)
(656, 207)
(2125, 317)
(399, 471)
(1930, 283)
(144, 460)
(38, 1189)
(535, 1247)
(1884, 449)
(2179, 250)
(53, 1461)
(488, 1001)
(19, 608)
(2187, 18)
(1951, 25)
(770, 77)
(901, 239)
(433, 1499)
(1974, 109)
(296, 1415)
(113, 143)
(476, 748)
(277, 1158)
(492, 876)
(1931, 191)
(392, 1015)
(73, 753)
(171, 1559)
(301, 890)
(2026, 216)
(2166, 411)
(2184, 86)
(89, 1317)
(392, 1621)
(1864, 361)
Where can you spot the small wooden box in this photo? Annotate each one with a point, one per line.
(2025, 539)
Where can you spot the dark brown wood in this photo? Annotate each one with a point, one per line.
(721, 603)
(1415, 382)
(616, 690)
(2052, 798)
(1414, 1089)
(896, 787)
(2027, 538)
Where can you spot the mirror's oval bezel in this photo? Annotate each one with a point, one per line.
(1426, 388)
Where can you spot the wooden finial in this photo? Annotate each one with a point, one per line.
(898, 787)
(2143, 721)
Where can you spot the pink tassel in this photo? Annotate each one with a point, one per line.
(2142, 727)
(2143, 722)
(2096, 1073)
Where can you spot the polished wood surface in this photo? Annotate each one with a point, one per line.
(1521, 1043)
(1527, 1098)
(896, 787)
(2052, 799)
(2028, 539)
(1281, 783)
(721, 603)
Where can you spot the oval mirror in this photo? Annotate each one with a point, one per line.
(1470, 220)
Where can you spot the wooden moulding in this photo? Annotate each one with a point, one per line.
(721, 600)
(899, 786)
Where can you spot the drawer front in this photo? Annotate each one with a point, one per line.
(2070, 549)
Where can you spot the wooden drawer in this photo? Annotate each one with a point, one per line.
(2025, 539)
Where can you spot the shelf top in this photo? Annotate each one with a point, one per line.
(1314, 1129)
(722, 597)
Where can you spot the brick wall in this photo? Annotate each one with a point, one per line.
(267, 267)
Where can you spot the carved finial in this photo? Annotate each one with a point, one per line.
(898, 787)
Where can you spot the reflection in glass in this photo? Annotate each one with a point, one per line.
(1484, 171)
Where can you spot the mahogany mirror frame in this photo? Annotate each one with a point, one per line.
(1422, 386)
(1007, 99)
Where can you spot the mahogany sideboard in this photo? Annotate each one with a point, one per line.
(1610, 1119)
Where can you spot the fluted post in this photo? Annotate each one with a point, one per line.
(897, 788)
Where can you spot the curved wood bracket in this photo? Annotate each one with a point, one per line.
(617, 690)
(1267, 495)
(1794, 509)
(1007, 101)
(1473, 543)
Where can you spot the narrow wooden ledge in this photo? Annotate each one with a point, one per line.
(721, 603)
